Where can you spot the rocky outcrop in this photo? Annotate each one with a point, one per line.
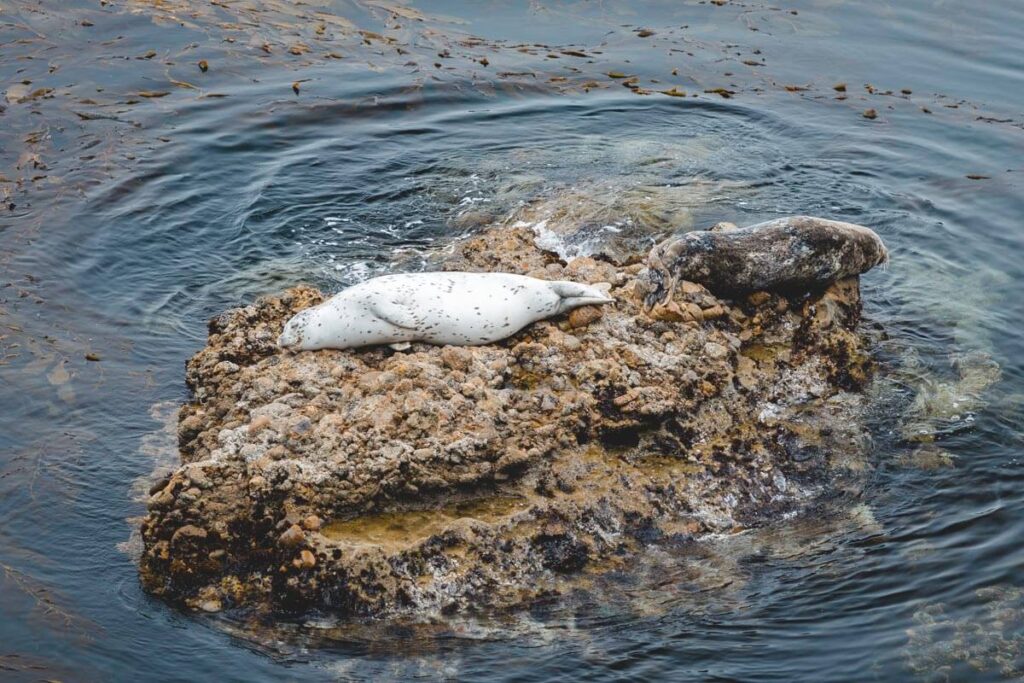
(456, 478)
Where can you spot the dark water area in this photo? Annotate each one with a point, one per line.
(132, 218)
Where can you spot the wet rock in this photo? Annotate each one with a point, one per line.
(259, 424)
(715, 350)
(455, 478)
(471, 219)
(942, 645)
(561, 552)
(211, 605)
(927, 457)
(186, 534)
(457, 358)
(581, 317)
(944, 407)
(305, 560)
(292, 537)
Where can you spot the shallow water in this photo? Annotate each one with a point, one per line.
(138, 217)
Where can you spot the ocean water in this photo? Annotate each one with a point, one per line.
(143, 194)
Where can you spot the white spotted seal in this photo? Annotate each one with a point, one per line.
(440, 308)
(798, 253)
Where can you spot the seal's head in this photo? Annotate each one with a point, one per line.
(299, 332)
(872, 249)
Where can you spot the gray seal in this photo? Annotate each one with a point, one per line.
(794, 254)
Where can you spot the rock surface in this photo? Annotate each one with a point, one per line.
(456, 478)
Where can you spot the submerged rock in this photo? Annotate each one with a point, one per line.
(456, 478)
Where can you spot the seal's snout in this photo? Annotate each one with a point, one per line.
(291, 335)
(286, 340)
(875, 253)
(883, 251)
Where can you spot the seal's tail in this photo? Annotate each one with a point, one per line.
(657, 283)
(574, 294)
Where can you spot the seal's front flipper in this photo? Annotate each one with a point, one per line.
(396, 311)
(401, 346)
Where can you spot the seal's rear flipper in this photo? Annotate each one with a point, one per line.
(575, 294)
(653, 288)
